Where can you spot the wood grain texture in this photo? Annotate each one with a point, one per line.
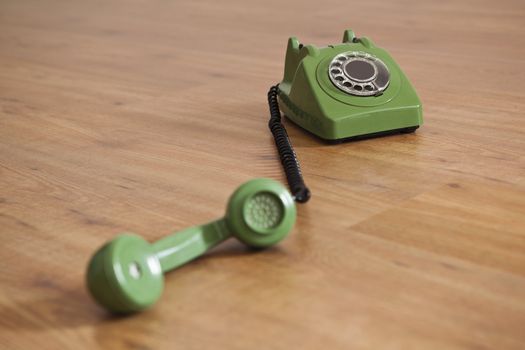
(144, 116)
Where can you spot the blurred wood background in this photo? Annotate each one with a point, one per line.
(144, 116)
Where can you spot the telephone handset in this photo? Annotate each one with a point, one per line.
(126, 274)
(341, 92)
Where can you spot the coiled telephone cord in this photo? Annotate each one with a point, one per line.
(291, 166)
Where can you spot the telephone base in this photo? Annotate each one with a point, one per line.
(347, 91)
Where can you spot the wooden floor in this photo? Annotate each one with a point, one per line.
(144, 116)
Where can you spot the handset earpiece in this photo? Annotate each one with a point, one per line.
(126, 274)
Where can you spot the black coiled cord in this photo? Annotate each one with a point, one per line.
(288, 157)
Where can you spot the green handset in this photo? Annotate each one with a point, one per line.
(126, 274)
(340, 92)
